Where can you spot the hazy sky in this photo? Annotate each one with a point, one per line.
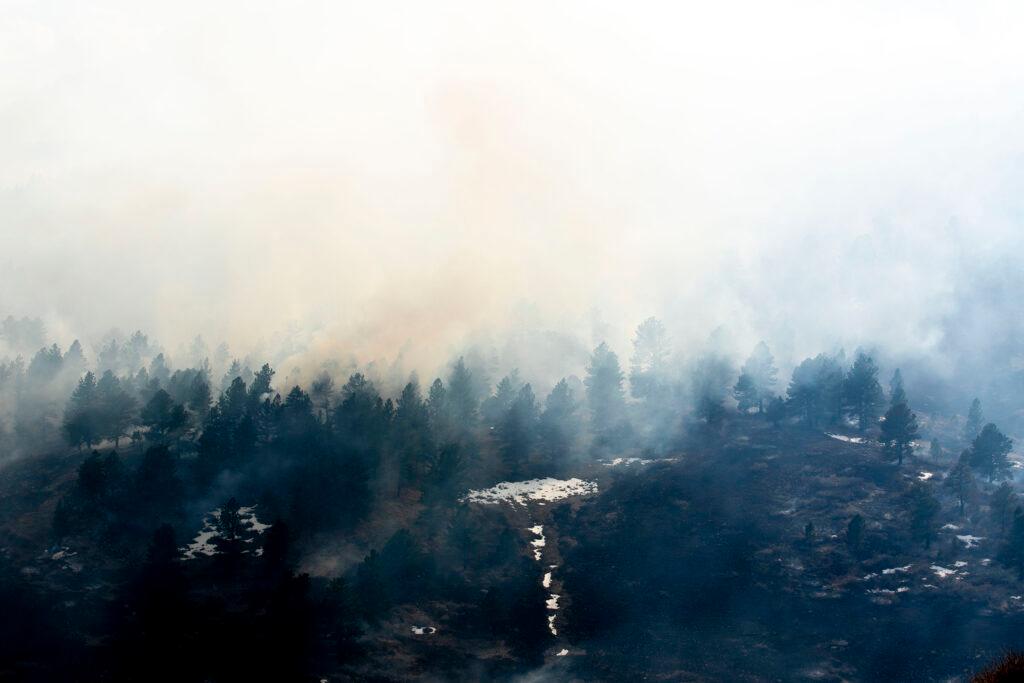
(374, 173)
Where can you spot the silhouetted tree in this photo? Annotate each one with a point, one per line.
(960, 481)
(776, 411)
(82, 424)
(1012, 553)
(1003, 500)
(863, 393)
(896, 393)
(647, 365)
(899, 431)
(163, 416)
(855, 532)
(745, 392)
(116, 407)
(760, 369)
(517, 431)
(924, 510)
(975, 421)
(558, 426)
(322, 391)
(604, 394)
(988, 453)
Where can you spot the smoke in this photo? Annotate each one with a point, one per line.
(398, 181)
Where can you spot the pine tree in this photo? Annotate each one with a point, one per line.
(960, 481)
(558, 426)
(745, 392)
(855, 532)
(1012, 554)
(776, 411)
(975, 421)
(760, 368)
(462, 398)
(924, 510)
(604, 394)
(896, 392)
(1002, 501)
(988, 453)
(517, 432)
(862, 391)
(116, 407)
(647, 365)
(82, 424)
(899, 431)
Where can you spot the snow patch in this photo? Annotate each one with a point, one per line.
(522, 492)
(424, 630)
(847, 439)
(552, 601)
(925, 476)
(561, 653)
(943, 572)
(546, 583)
(969, 541)
(203, 543)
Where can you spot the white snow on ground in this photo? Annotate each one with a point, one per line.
(522, 492)
(546, 583)
(627, 461)
(887, 591)
(561, 653)
(951, 527)
(551, 625)
(986, 562)
(959, 563)
(552, 602)
(537, 543)
(634, 461)
(925, 476)
(424, 630)
(969, 541)
(847, 439)
(202, 544)
(943, 572)
(903, 570)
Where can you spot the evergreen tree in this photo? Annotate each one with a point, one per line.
(924, 510)
(815, 390)
(896, 393)
(199, 395)
(159, 369)
(745, 392)
(462, 398)
(776, 411)
(412, 435)
(761, 371)
(988, 453)
(517, 431)
(163, 416)
(322, 391)
(863, 393)
(960, 481)
(496, 406)
(1012, 553)
(260, 389)
(115, 406)
(604, 394)
(647, 366)
(899, 431)
(558, 426)
(437, 405)
(975, 421)
(855, 532)
(82, 424)
(1002, 501)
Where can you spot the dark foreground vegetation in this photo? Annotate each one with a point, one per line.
(203, 522)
